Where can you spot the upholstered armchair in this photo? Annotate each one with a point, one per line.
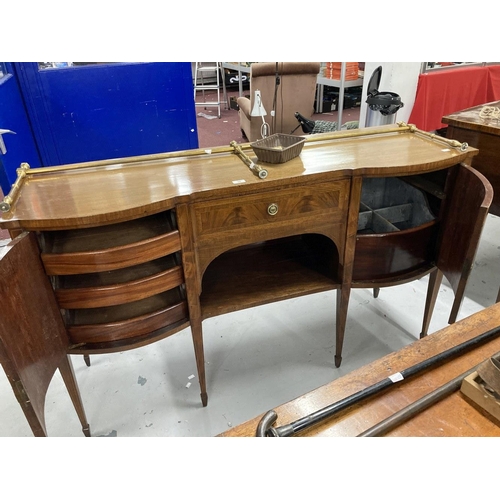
(295, 92)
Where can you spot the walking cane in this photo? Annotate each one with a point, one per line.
(265, 427)
(421, 404)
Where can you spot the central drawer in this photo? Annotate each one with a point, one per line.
(226, 224)
(247, 211)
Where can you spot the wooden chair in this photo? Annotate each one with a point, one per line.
(33, 339)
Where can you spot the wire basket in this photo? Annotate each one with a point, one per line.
(278, 148)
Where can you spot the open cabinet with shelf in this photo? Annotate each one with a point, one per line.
(268, 271)
(117, 284)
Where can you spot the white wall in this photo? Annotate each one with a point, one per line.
(398, 77)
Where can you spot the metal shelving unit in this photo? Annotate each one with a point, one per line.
(203, 83)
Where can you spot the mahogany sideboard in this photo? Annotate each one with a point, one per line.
(137, 249)
(453, 415)
(482, 133)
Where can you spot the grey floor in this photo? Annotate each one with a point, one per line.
(255, 360)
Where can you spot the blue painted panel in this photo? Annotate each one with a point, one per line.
(21, 147)
(85, 113)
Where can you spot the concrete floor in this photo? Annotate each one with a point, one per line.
(256, 360)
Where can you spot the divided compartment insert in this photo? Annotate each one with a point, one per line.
(390, 204)
(118, 281)
(396, 230)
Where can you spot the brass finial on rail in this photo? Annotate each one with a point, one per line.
(451, 142)
(256, 169)
(7, 202)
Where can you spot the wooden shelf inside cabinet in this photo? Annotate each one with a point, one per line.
(105, 248)
(109, 278)
(427, 184)
(268, 271)
(118, 287)
(112, 235)
(118, 282)
(107, 324)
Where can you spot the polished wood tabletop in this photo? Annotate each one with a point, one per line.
(108, 191)
(453, 416)
(471, 119)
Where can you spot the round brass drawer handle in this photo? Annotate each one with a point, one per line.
(272, 209)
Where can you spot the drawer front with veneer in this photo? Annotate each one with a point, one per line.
(275, 207)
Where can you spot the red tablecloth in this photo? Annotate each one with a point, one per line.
(494, 83)
(440, 93)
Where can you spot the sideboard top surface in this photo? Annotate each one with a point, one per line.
(114, 190)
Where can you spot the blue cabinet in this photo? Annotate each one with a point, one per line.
(84, 112)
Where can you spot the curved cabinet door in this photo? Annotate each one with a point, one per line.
(469, 197)
(33, 340)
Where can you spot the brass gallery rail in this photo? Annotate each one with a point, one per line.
(24, 170)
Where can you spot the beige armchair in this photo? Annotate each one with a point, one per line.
(295, 92)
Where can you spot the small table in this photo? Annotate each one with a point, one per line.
(452, 416)
(484, 134)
